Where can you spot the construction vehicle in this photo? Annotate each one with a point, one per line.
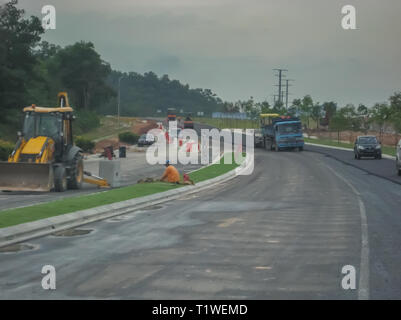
(258, 138)
(281, 132)
(171, 115)
(188, 123)
(45, 157)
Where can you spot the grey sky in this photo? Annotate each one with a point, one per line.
(231, 46)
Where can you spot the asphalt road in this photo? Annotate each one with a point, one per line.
(384, 168)
(284, 232)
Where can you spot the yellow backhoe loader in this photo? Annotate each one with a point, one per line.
(45, 157)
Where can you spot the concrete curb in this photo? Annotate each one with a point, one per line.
(385, 156)
(43, 227)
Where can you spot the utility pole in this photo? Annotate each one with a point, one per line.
(286, 92)
(280, 76)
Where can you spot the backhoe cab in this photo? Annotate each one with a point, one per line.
(44, 157)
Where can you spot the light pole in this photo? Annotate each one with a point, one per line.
(118, 109)
(118, 103)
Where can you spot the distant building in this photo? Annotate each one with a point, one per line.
(230, 115)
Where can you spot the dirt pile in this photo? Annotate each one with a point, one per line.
(143, 126)
(137, 126)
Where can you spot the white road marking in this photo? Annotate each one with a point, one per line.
(363, 287)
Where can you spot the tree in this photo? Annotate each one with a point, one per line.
(395, 102)
(380, 114)
(362, 110)
(316, 113)
(84, 74)
(264, 107)
(395, 109)
(329, 109)
(17, 61)
(338, 123)
(296, 104)
(363, 113)
(292, 111)
(353, 120)
(46, 50)
(143, 95)
(306, 107)
(278, 107)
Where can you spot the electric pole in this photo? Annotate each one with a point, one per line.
(280, 76)
(286, 91)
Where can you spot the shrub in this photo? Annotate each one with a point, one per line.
(128, 137)
(85, 121)
(85, 144)
(5, 150)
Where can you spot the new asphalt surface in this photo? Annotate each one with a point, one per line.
(384, 168)
(284, 232)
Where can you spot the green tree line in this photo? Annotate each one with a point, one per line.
(327, 114)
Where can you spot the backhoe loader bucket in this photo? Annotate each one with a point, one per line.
(22, 176)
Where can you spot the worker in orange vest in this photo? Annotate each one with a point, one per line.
(171, 174)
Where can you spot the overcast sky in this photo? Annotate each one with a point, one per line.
(231, 46)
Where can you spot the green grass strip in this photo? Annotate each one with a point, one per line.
(11, 217)
(213, 170)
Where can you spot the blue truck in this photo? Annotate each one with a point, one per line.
(281, 132)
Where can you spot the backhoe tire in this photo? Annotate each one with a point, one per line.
(76, 172)
(60, 179)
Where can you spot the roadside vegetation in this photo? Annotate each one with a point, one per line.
(5, 150)
(128, 137)
(17, 216)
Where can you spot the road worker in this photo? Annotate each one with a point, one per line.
(171, 174)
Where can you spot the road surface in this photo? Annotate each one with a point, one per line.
(284, 232)
(384, 168)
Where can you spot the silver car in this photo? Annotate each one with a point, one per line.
(398, 158)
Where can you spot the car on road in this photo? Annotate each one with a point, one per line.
(258, 138)
(146, 140)
(367, 146)
(398, 158)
